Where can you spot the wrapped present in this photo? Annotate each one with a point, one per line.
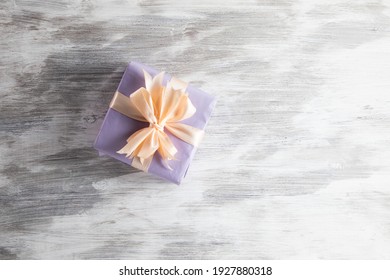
(155, 122)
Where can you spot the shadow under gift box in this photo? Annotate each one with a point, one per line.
(117, 128)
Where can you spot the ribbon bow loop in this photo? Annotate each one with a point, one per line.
(163, 107)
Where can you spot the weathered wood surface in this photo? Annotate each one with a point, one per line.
(295, 163)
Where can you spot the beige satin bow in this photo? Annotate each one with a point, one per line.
(164, 108)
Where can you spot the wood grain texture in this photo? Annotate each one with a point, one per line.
(295, 163)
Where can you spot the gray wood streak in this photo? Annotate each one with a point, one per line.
(295, 163)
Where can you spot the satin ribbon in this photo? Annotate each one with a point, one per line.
(163, 108)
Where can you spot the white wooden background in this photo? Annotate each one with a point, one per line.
(295, 163)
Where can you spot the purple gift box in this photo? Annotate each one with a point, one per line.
(117, 128)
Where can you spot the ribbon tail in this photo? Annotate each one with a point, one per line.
(187, 133)
(166, 148)
(142, 164)
(149, 145)
(135, 141)
(141, 147)
(166, 164)
(155, 141)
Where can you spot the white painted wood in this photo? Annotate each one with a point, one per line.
(295, 163)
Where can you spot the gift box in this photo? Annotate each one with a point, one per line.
(155, 122)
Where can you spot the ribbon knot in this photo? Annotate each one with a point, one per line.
(157, 126)
(163, 108)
